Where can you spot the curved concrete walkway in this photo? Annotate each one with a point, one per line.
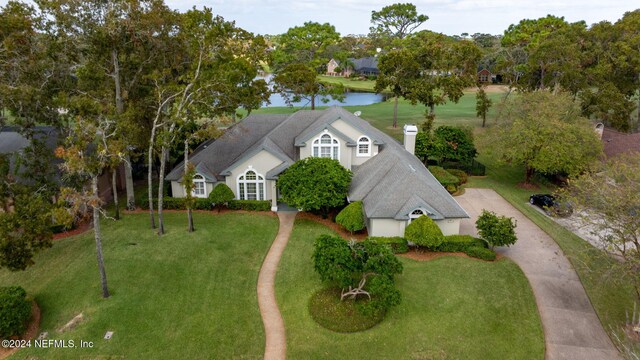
(276, 343)
(572, 329)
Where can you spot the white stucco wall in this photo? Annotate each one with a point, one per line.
(261, 163)
(449, 226)
(177, 190)
(392, 227)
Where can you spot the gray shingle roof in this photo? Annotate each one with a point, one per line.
(390, 184)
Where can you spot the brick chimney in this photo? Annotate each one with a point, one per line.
(410, 132)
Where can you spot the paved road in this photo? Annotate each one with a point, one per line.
(571, 327)
(276, 343)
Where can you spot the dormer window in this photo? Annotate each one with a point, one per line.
(417, 213)
(327, 147)
(364, 146)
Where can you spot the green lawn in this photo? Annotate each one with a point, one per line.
(349, 83)
(452, 308)
(380, 115)
(189, 296)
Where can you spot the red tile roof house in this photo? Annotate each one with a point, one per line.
(484, 76)
(616, 143)
(393, 184)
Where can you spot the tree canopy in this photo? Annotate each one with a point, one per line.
(315, 183)
(544, 132)
(396, 21)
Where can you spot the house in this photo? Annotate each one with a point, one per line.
(616, 143)
(484, 76)
(362, 66)
(394, 186)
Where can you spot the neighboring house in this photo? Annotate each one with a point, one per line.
(394, 186)
(12, 143)
(362, 66)
(484, 76)
(616, 143)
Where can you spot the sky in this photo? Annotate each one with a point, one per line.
(451, 17)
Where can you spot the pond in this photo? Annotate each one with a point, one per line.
(350, 99)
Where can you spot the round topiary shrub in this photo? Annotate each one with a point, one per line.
(221, 195)
(15, 311)
(351, 217)
(424, 232)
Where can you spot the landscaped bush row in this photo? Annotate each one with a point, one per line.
(205, 204)
(481, 253)
(460, 174)
(474, 168)
(15, 311)
(460, 243)
(398, 244)
(250, 205)
(448, 180)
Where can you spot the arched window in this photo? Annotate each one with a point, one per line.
(416, 214)
(327, 147)
(364, 146)
(199, 186)
(251, 186)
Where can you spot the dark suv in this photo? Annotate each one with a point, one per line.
(548, 203)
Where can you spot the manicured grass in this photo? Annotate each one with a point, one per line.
(182, 296)
(328, 310)
(380, 115)
(452, 308)
(610, 299)
(349, 83)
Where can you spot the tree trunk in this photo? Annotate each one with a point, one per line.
(114, 186)
(163, 157)
(638, 108)
(484, 119)
(186, 162)
(528, 174)
(313, 102)
(128, 174)
(190, 216)
(150, 177)
(98, 235)
(395, 112)
(116, 79)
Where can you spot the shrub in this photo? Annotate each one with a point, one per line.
(496, 230)
(451, 188)
(351, 217)
(250, 205)
(424, 232)
(15, 311)
(481, 253)
(460, 174)
(444, 177)
(221, 195)
(169, 203)
(460, 243)
(398, 244)
(315, 183)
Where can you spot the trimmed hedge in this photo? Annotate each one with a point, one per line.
(170, 203)
(398, 244)
(351, 217)
(460, 174)
(15, 311)
(250, 205)
(460, 243)
(474, 168)
(206, 204)
(481, 253)
(423, 231)
(221, 195)
(449, 181)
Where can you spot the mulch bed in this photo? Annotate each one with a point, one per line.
(30, 334)
(361, 235)
(421, 255)
(528, 186)
(79, 230)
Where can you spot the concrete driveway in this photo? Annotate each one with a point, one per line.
(572, 329)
